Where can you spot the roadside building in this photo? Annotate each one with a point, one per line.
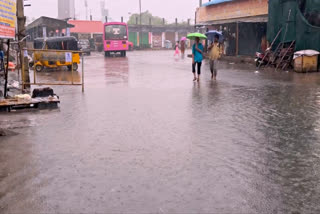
(149, 36)
(298, 22)
(84, 29)
(47, 27)
(243, 23)
(88, 30)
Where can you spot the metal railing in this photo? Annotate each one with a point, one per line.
(27, 52)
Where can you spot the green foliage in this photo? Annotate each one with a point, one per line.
(145, 16)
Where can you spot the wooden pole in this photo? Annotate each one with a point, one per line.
(6, 72)
(82, 73)
(21, 20)
(195, 19)
(22, 71)
(72, 68)
(237, 39)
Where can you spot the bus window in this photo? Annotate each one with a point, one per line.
(115, 32)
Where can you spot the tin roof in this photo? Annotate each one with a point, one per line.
(44, 21)
(213, 2)
(87, 27)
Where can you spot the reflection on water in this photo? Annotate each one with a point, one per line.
(116, 69)
(58, 76)
(247, 143)
(17, 172)
(267, 136)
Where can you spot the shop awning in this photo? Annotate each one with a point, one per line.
(213, 2)
(252, 19)
(86, 27)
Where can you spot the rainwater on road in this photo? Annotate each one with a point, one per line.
(144, 138)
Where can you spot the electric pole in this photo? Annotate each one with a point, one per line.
(140, 36)
(86, 6)
(140, 13)
(21, 22)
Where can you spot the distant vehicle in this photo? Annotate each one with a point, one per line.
(84, 46)
(99, 43)
(55, 59)
(130, 46)
(115, 38)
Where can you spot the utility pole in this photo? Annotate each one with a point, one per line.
(140, 12)
(140, 36)
(86, 6)
(21, 22)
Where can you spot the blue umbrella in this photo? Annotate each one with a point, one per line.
(212, 33)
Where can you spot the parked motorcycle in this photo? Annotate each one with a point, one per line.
(262, 58)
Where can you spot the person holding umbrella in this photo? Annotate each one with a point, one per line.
(197, 54)
(197, 57)
(214, 55)
(215, 50)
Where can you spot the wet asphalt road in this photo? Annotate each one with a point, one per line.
(144, 138)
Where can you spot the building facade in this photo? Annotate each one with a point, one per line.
(66, 9)
(148, 36)
(242, 22)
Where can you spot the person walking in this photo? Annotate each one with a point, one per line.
(183, 47)
(177, 52)
(214, 55)
(197, 57)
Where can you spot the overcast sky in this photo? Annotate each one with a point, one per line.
(169, 9)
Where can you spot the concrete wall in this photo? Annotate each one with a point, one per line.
(232, 10)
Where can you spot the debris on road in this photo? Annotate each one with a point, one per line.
(42, 92)
(5, 132)
(41, 98)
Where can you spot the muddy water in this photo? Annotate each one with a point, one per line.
(144, 138)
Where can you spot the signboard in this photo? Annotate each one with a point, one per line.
(44, 31)
(68, 32)
(68, 57)
(157, 40)
(8, 19)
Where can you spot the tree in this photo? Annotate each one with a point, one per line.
(145, 16)
(181, 23)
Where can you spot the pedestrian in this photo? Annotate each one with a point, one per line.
(214, 56)
(183, 48)
(197, 57)
(177, 51)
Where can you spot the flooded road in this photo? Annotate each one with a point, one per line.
(144, 138)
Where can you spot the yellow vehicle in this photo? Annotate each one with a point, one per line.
(61, 54)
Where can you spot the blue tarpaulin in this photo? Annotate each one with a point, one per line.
(213, 2)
